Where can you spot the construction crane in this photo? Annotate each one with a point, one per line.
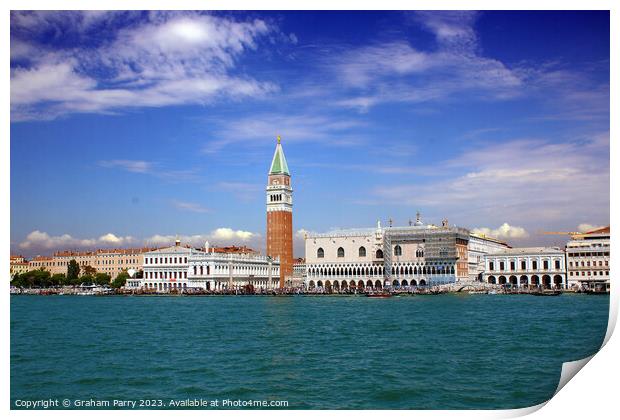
(559, 233)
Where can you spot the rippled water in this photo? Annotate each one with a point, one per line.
(424, 352)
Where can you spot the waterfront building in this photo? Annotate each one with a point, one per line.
(108, 261)
(526, 267)
(587, 257)
(279, 195)
(43, 262)
(18, 265)
(182, 267)
(299, 274)
(232, 271)
(415, 255)
(83, 258)
(478, 246)
(115, 261)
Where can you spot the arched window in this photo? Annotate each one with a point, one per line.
(398, 251)
(320, 253)
(341, 252)
(379, 253)
(362, 251)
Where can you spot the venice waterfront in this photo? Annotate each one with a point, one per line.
(316, 352)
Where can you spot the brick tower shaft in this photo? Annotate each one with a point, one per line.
(279, 196)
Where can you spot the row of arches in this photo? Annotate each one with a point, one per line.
(378, 270)
(546, 281)
(360, 284)
(165, 286)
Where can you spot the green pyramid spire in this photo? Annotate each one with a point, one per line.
(278, 163)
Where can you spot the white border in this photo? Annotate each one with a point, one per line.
(592, 394)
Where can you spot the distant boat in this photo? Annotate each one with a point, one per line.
(547, 293)
(379, 295)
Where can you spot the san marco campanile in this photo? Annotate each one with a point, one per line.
(280, 214)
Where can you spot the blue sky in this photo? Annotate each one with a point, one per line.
(130, 128)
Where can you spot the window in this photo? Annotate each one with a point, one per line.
(512, 266)
(502, 266)
(379, 253)
(398, 251)
(545, 265)
(340, 252)
(320, 253)
(557, 264)
(362, 251)
(534, 265)
(491, 266)
(523, 265)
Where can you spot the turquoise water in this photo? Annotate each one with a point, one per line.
(415, 352)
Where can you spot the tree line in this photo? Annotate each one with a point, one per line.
(75, 276)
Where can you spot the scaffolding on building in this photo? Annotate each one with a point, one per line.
(439, 243)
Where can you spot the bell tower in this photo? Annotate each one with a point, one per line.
(280, 213)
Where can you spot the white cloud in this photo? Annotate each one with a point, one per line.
(262, 129)
(111, 238)
(399, 71)
(505, 231)
(174, 58)
(193, 207)
(219, 236)
(586, 227)
(396, 71)
(153, 169)
(453, 27)
(138, 166)
(228, 234)
(43, 241)
(532, 182)
(301, 233)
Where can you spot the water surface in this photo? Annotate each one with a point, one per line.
(316, 352)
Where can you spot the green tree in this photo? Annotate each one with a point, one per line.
(18, 280)
(87, 269)
(58, 279)
(120, 280)
(102, 279)
(37, 278)
(73, 271)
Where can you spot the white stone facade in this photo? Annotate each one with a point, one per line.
(587, 258)
(183, 268)
(355, 258)
(527, 267)
(477, 248)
